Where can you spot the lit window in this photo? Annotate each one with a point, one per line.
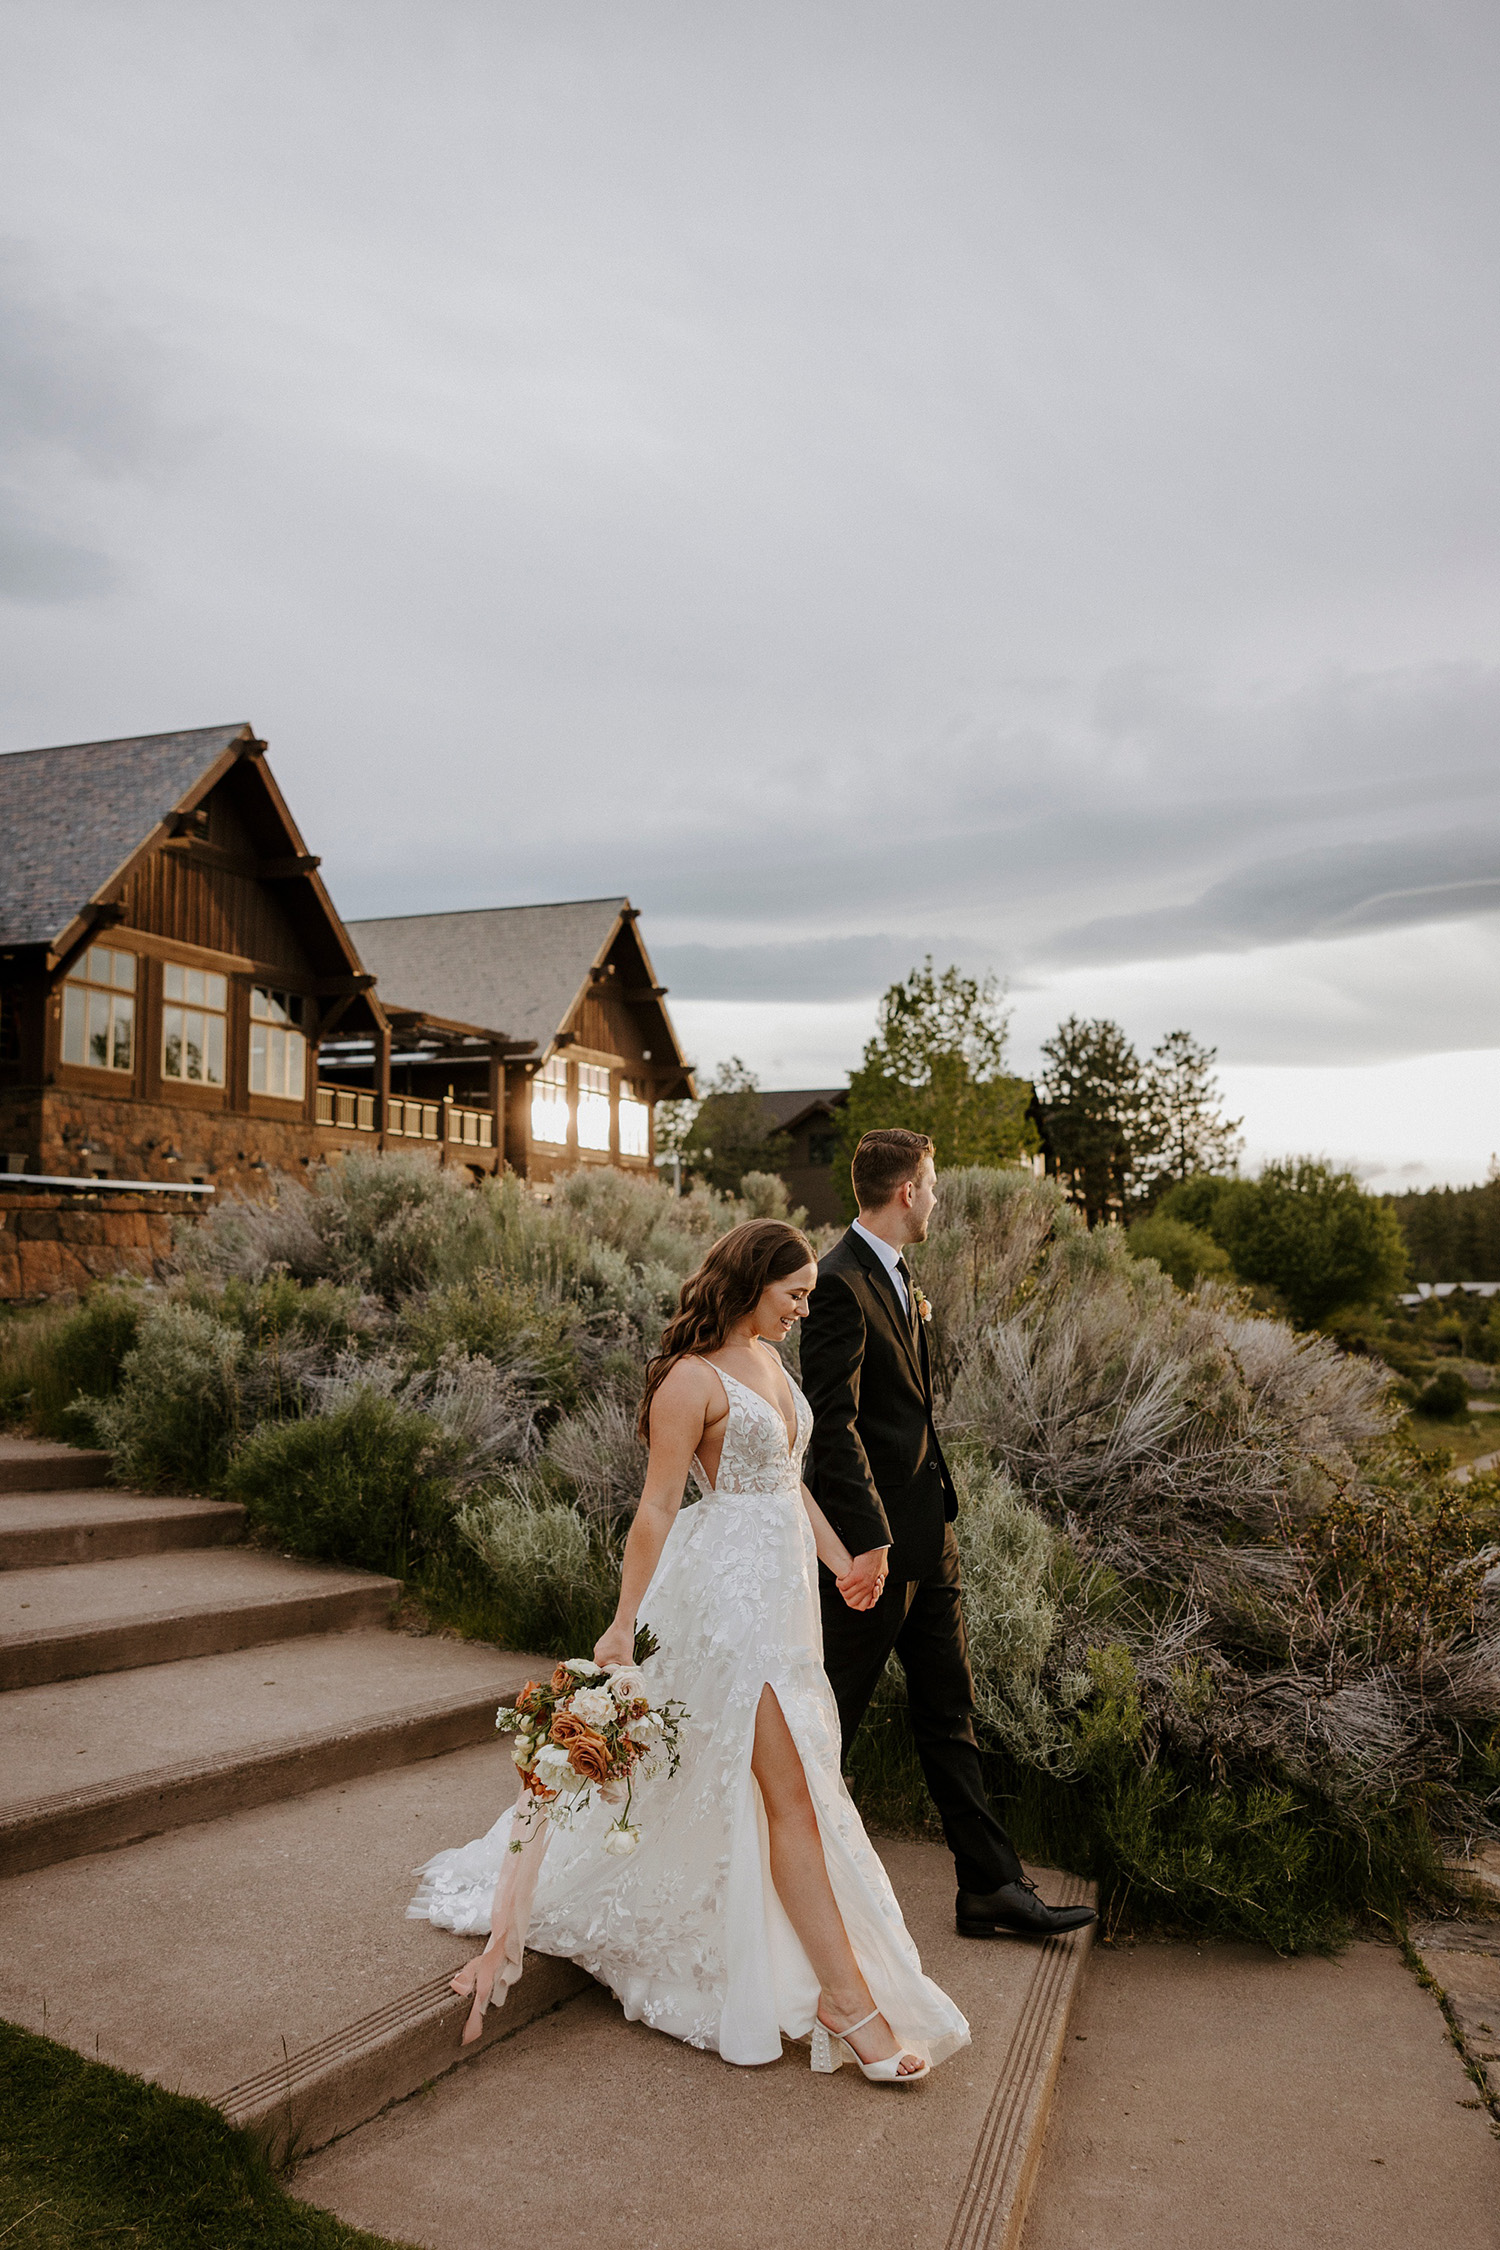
(99, 1010)
(278, 1048)
(549, 1102)
(593, 1107)
(192, 1025)
(635, 1121)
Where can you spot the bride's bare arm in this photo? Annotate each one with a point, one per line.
(679, 1415)
(831, 1549)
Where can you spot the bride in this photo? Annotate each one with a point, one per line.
(754, 1906)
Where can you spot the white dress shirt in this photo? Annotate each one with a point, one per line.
(890, 1259)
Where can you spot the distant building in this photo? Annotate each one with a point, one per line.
(809, 1116)
(557, 1005)
(182, 1010)
(169, 962)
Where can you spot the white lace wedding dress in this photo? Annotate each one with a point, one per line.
(689, 1933)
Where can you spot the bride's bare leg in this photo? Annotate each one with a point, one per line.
(800, 1873)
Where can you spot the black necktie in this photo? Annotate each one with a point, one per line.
(911, 1298)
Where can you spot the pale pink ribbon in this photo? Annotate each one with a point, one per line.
(490, 1975)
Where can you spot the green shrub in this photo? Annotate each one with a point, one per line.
(365, 1483)
(174, 1419)
(1446, 1395)
(1185, 1252)
(507, 1323)
(51, 1359)
(551, 1583)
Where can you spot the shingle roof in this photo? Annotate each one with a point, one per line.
(787, 1108)
(515, 970)
(70, 818)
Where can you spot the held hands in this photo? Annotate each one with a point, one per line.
(616, 1646)
(863, 1583)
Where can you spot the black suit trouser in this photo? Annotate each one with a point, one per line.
(921, 1621)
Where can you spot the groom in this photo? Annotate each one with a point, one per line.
(876, 1469)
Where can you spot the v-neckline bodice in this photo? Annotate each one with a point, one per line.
(790, 1439)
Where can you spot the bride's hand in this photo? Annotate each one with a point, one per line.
(617, 1646)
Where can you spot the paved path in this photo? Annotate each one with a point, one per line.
(1216, 2098)
(585, 2131)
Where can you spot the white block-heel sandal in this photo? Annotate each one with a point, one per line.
(830, 2048)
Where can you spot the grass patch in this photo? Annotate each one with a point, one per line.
(90, 2154)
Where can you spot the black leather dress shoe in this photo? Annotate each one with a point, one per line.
(1017, 1908)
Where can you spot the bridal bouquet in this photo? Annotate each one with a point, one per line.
(586, 1730)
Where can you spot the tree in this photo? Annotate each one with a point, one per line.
(730, 1133)
(937, 1066)
(1186, 1130)
(1303, 1229)
(1093, 1098)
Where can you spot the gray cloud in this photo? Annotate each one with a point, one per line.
(1023, 475)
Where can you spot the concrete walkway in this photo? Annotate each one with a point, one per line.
(585, 2130)
(1217, 2098)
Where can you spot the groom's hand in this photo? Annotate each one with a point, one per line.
(863, 1582)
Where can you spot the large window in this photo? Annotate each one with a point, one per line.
(593, 1107)
(99, 1010)
(549, 1102)
(192, 1025)
(278, 1046)
(635, 1121)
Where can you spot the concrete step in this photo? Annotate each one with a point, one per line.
(143, 1751)
(263, 1959)
(63, 1623)
(40, 1530)
(37, 1465)
(755, 2156)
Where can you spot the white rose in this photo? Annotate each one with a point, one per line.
(521, 1750)
(594, 1705)
(553, 1771)
(627, 1685)
(643, 1729)
(584, 1666)
(621, 1841)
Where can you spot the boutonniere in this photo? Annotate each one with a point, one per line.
(919, 1299)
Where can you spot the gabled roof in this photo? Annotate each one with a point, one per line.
(72, 819)
(786, 1110)
(519, 970)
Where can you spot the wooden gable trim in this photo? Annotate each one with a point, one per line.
(89, 916)
(297, 864)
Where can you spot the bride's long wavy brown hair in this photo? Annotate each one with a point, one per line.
(730, 1282)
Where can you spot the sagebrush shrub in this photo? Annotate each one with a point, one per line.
(366, 1483)
(175, 1417)
(56, 1360)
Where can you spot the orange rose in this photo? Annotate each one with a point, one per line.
(563, 1682)
(530, 1697)
(588, 1755)
(567, 1727)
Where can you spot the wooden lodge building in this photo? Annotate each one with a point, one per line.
(182, 1010)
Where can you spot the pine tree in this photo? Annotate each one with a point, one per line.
(1098, 1122)
(1186, 1131)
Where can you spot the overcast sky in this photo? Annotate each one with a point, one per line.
(1017, 482)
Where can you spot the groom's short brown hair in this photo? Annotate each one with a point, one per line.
(886, 1160)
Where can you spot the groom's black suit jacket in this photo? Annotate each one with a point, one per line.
(874, 1465)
